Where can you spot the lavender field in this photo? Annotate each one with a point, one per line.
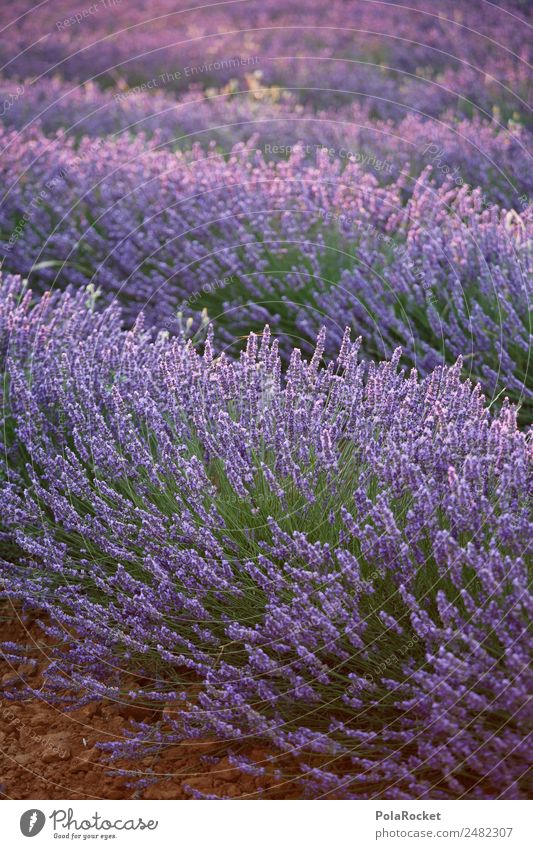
(267, 396)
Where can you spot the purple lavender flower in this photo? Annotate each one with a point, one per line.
(439, 270)
(395, 58)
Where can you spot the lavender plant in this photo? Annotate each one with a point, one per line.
(395, 58)
(329, 560)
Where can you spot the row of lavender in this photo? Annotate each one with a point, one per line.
(331, 560)
(327, 559)
(431, 265)
(395, 55)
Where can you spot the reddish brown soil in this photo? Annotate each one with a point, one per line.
(49, 754)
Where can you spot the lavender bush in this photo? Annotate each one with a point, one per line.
(330, 560)
(474, 151)
(438, 269)
(311, 554)
(393, 56)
